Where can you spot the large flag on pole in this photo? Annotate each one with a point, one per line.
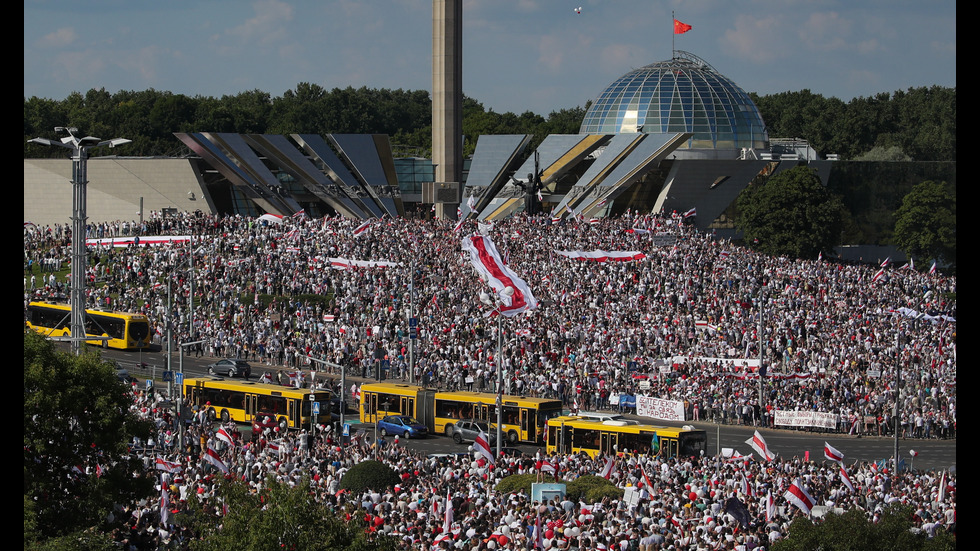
(797, 495)
(514, 294)
(681, 28)
(758, 444)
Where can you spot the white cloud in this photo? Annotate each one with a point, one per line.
(60, 38)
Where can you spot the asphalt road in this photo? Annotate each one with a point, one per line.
(933, 454)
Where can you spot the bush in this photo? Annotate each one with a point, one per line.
(592, 489)
(369, 475)
(516, 483)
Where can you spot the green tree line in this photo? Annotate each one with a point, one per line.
(917, 124)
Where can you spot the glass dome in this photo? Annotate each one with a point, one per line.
(684, 94)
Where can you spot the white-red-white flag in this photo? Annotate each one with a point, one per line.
(832, 453)
(770, 507)
(482, 445)
(447, 521)
(168, 466)
(609, 468)
(212, 457)
(538, 536)
(846, 479)
(512, 292)
(758, 444)
(164, 502)
(797, 495)
(362, 229)
(223, 435)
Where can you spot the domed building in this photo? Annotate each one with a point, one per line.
(682, 94)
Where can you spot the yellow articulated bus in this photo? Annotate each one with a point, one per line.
(247, 401)
(523, 417)
(126, 331)
(574, 434)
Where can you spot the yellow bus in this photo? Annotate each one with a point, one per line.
(523, 417)
(248, 401)
(573, 434)
(126, 331)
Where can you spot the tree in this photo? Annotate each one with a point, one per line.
(791, 214)
(852, 531)
(925, 224)
(77, 429)
(369, 475)
(279, 516)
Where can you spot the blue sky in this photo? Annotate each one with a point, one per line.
(518, 55)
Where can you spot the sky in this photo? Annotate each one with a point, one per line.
(518, 55)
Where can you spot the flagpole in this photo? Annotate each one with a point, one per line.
(673, 34)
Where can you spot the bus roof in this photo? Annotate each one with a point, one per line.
(581, 422)
(221, 382)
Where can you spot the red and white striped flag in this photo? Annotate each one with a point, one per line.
(832, 453)
(758, 444)
(609, 468)
(360, 230)
(223, 435)
(212, 457)
(797, 495)
(770, 507)
(646, 479)
(846, 479)
(168, 466)
(482, 445)
(447, 521)
(164, 502)
(941, 495)
(513, 292)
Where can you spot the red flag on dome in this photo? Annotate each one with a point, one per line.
(681, 28)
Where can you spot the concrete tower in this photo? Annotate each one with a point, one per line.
(447, 94)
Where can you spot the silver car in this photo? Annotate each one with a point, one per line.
(466, 430)
(230, 367)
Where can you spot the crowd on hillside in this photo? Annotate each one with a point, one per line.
(673, 324)
(696, 504)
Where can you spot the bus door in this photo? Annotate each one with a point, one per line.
(293, 412)
(371, 406)
(608, 443)
(527, 425)
(482, 412)
(407, 405)
(250, 406)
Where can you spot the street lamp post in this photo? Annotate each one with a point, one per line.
(79, 254)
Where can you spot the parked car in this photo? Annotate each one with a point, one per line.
(466, 430)
(402, 425)
(230, 367)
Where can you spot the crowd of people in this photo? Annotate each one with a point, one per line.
(679, 321)
(673, 324)
(681, 503)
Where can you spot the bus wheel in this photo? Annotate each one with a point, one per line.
(224, 416)
(449, 429)
(512, 437)
(211, 414)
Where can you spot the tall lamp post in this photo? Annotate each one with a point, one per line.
(79, 253)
